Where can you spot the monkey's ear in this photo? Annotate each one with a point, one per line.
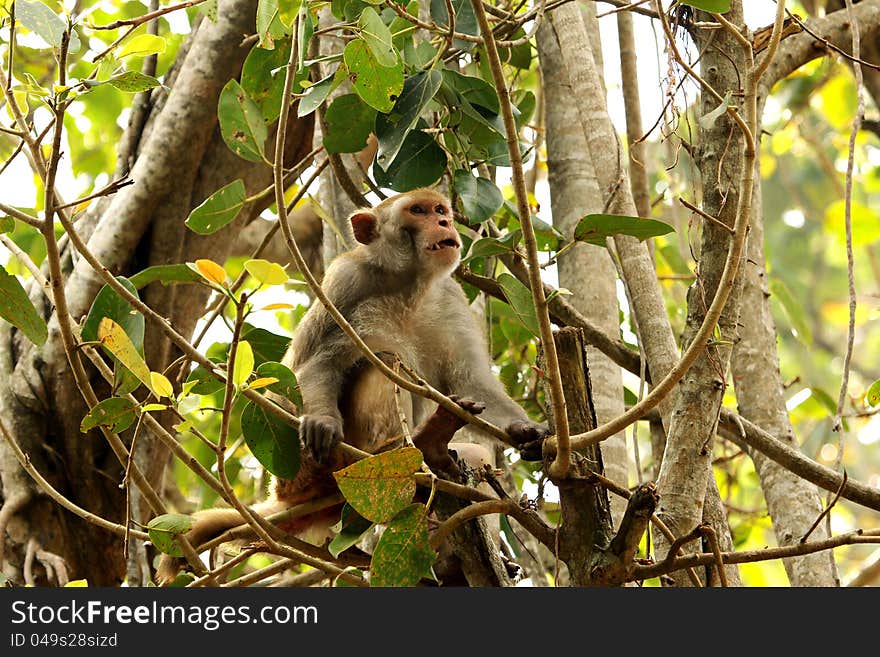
(363, 222)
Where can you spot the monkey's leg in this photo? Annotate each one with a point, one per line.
(433, 438)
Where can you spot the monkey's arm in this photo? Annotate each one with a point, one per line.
(468, 373)
(320, 355)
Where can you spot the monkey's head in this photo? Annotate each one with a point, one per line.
(412, 231)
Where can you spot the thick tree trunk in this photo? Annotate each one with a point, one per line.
(584, 269)
(793, 502)
(181, 159)
(687, 460)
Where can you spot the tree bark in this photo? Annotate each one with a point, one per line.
(584, 269)
(181, 160)
(686, 468)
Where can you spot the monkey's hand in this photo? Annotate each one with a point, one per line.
(529, 436)
(320, 434)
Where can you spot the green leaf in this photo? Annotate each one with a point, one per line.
(492, 246)
(286, 386)
(475, 90)
(519, 297)
(519, 56)
(166, 274)
(115, 413)
(244, 363)
(272, 442)
(465, 20)
(380, 486)
(219, 209)
(379, 86)
(378, 37)
(419, 163)
(595, 228)
(794, 311)
(142, 45)
(403, 555)
(270, 27)
(165, 529)
(717, 6)
(39, 18)
(262, 78)
(348, 531)
(392, 128)
(17, 309)
(241, 123)
(267, 346)
(349, 122)
(133, 82)
(108, 303)
(479, 197)
(315, 95)
(207, 383)
(288, 10)
(267, 273)
(873, 394)
(7, 224)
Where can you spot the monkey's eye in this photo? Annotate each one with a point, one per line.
(417, 209)
(440, 209)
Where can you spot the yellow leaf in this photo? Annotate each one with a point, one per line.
(114, 338)
(212, 271)
(262, 382)
(82, 206)
(77, 584)
(244, 363)
(268, 273)
(153, 407)
(278, 306)
(161, 386)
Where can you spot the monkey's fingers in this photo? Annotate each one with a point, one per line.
(320, 434)
(529, 436)
(470, 405)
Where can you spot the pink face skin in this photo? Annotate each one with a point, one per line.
(430, 213)
(425, 216)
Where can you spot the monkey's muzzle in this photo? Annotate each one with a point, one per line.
(448, 243)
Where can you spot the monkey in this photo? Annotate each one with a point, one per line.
(396, 290)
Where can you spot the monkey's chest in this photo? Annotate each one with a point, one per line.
(393, 329)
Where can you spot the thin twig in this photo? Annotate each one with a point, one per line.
(826, 510)
(712, 538)
(140, 20)
(705, 215)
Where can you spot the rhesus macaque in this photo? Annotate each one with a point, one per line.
(395, 289)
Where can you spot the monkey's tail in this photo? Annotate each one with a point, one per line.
(209, 524)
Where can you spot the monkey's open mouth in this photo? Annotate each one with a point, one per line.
(448, 243)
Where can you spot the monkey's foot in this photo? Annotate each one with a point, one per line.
(432, 437)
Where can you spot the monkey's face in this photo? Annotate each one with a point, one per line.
(424, 220)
